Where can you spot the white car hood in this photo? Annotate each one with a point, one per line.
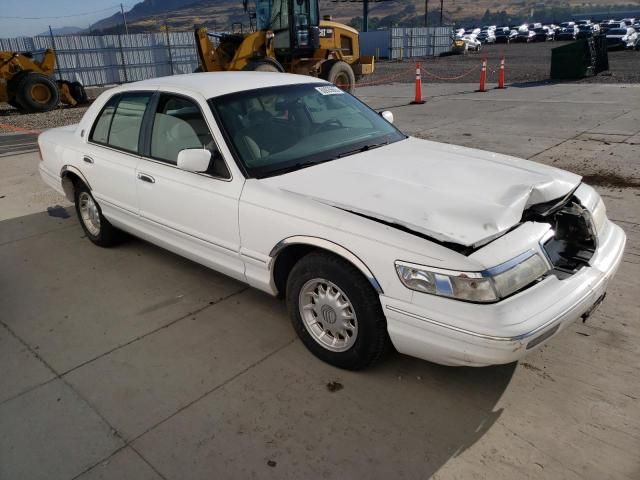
(450, 193)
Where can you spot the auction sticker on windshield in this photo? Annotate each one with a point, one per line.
(330, 90)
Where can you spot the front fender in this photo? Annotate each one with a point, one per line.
(329, 246)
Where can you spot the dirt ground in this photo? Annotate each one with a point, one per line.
(523, 63)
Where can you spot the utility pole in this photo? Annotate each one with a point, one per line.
(53, 46)
(426, 13)
(124, 18)
(441, 10)
(365, 15)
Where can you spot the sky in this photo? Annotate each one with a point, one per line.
(77, 13)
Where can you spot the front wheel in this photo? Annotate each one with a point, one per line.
(341, 75)
(335, 312)
(95, 226)
(37, 93)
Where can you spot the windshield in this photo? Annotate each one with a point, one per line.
(277, 129)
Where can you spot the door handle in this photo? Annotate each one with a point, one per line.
(146, 178)
(87, 159)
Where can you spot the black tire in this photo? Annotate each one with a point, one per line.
(266, 65)
(340, 74)
(14, 103)
(78, 93)
(371, 338)
(107, 235)
(198, 69)
(37, 93)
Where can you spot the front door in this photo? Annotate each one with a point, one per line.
(195, 214)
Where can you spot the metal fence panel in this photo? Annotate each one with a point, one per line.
(419, 42)
(97, 60)
(375, 43)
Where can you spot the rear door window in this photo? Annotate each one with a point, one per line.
(119, 123)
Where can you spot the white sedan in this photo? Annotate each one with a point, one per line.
(287, 183)
(622, 38)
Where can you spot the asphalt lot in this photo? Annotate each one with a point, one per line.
(133, 363)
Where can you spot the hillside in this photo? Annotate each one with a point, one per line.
(61, 31)
(220, 14)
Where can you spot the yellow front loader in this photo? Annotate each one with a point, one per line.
(27, 84)
(289, 37)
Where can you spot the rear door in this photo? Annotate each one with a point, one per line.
(195, 214)
(113, 152)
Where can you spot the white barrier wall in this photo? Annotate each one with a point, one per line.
(108, 59)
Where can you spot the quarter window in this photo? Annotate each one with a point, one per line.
(100, 132)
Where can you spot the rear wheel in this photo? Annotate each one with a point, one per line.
(335, 311)
(341, 75)
(78, 93)
(95, 226)
(37, 93)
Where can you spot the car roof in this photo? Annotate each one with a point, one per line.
(215, 84)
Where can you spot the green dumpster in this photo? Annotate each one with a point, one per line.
(579, 59)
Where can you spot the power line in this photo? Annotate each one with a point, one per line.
(63, 16)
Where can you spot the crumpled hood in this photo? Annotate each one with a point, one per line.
(450, 193)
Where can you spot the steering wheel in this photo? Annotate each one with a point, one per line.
(326, 123)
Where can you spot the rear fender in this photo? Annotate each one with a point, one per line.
(68, 174)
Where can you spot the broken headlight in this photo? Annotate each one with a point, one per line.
(485, 287)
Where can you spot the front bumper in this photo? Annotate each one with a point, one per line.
(451, 332)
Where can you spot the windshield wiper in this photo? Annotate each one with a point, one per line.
(301, 165)
(365, 148)
(296, 166)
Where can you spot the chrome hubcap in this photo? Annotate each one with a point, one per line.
(89, 213)
(328, 315)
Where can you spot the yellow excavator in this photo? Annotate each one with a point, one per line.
(27, 84)
(287, 36)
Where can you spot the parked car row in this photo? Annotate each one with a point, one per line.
(619, 33)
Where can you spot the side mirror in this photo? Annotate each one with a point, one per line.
(194, 160)
(387, 115)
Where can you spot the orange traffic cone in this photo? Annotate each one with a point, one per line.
(418, 100)
(501, 75)
(483, 76)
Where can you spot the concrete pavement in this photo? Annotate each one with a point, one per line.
(135, 363)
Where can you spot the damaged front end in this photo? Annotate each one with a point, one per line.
(572, 240)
